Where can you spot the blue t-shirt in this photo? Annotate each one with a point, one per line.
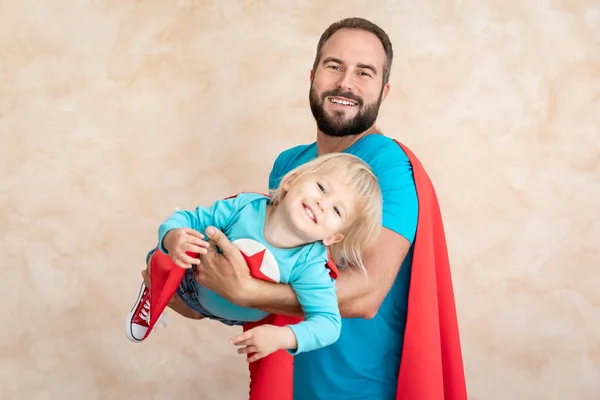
(242, 219)
(364, 363)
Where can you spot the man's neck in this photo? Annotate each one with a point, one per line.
(334, 144)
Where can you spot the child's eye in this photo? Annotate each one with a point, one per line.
(337, 211)
(321, 188)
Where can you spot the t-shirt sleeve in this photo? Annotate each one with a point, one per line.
(275, 175)
(316, 293)
(219, 215)
(400, 203)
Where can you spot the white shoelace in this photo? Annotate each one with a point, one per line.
(145, 315)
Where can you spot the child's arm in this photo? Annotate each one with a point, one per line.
(316, 293)
(182, 231)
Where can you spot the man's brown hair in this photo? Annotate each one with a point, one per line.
(360, 24)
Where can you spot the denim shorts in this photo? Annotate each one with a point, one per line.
(187, 293)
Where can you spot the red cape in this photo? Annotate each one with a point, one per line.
(431, 366)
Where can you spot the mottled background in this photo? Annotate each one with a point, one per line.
(114, 112)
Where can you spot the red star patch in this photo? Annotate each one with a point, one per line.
(254, 263)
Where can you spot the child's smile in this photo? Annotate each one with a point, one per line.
(325, 200)
(310, 212)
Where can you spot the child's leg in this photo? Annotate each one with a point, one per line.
(175, 304)
(137, 323)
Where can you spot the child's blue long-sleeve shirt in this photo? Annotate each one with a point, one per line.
(242, 220)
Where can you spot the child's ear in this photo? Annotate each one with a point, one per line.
(333, 239)
(288, 182)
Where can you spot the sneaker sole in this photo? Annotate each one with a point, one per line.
(130, 315)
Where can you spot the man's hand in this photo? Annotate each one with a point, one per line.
(226, 274)
(180, 241)
(264, 340)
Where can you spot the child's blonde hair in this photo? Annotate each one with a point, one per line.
(366, 225)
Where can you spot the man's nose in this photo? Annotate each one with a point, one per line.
(346, 82)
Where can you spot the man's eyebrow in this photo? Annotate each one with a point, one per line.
(359, 65)
(332, 59)
(367, 66)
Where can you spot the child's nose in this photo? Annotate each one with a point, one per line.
(322, 204)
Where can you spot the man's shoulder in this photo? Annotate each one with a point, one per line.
(296, 152)
(289, 159)
(373, 147)
(383, 154)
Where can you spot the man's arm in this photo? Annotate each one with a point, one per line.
(362, 296)
(358, 296)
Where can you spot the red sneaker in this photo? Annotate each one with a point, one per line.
(138, 319)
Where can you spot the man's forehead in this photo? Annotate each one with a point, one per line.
(354, 46)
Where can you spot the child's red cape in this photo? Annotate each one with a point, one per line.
(431, 366)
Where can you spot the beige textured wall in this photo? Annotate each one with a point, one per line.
(113, 112)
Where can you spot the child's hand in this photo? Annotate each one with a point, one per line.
(180, 241)
(264, 340)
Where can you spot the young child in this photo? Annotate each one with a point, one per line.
(331, 203)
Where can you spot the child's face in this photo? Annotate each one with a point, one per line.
(320, 206)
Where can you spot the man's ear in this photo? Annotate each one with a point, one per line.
(312, 75)
(333, 239)
(386, 90)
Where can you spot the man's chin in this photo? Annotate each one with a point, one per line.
(340, 121)
(335, 114)
(340, 124)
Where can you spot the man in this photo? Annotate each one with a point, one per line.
(349, 81)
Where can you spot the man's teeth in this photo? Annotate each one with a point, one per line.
(310, 213)
(344, 102)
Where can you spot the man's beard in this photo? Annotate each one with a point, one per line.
(336, 124)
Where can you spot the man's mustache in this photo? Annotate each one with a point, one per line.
(340, 93)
